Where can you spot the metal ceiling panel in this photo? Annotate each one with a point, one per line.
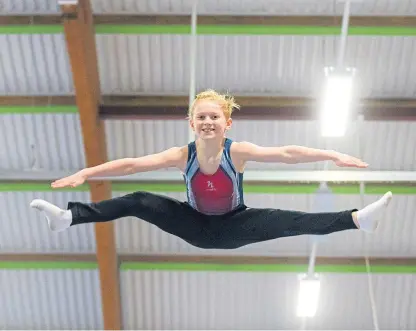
(139, 138)
(207, 300)
(34, 64)
(262, 301)
(256, 7)
(384, 145)
(271, 65)
(24, 230)
(41, 142)
(143, 63)
(54, 141)
(50, 300)
(13, 7)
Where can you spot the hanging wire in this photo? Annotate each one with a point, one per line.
(33, 160)
(344, 34)
(303, 325)
(340, 60)
(360, 129)
(193, 52)
(371, 293)
(368, 270)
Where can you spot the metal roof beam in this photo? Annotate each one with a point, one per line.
(233, 20)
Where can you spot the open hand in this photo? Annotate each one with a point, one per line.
(344, 160)
(71, 181)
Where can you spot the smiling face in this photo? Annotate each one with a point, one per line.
(209, 121)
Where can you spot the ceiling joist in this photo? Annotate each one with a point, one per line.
(175, 107)
(80, 43)
(248, 113)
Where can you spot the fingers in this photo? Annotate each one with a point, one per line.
(360, 165)
(357, 165)
(62, 180)
(63, 183)
(67, 182)
(352, 162)
(355, 162)
(59, 184)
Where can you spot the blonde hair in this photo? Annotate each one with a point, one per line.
(226, 102)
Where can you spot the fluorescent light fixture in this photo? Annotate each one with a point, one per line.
(336, 103)
(67, 2)
(308, 298)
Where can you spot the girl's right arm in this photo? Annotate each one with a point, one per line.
(172, 157)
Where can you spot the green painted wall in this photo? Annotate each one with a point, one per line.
(29, 265)
(53, 109)
(217, 30)
(259, 189)
(266, 268)
(277, 268)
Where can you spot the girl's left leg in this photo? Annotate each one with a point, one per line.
(253, 225)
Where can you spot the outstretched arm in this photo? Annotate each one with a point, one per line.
(173, 157)
(246, 151)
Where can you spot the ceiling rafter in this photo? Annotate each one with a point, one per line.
(80, 43)
(174, 107)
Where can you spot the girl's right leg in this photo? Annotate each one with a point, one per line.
(170, 215)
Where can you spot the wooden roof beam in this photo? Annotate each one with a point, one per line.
(80, 42)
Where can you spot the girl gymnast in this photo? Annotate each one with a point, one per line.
(214, 215)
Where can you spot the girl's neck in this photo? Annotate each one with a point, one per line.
(208, 149)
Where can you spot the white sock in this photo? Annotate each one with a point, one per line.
(369, 217)
(58, 219)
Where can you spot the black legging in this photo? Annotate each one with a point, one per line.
(237, 228)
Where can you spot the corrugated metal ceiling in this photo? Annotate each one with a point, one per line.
(50, 300)
(40, 142)
(258, 301)
(215, 7)
(262, 7)
(54, 141)
(68, 299)
(34, 64)
(277, 65)
(24, 230)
